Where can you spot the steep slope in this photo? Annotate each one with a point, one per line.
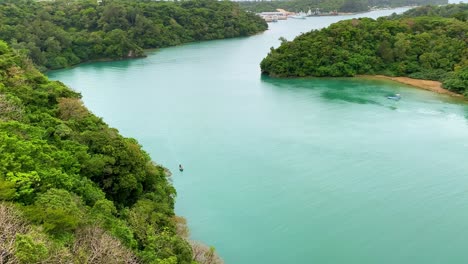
(72, 188)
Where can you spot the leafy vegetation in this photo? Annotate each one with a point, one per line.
(424, 47)
(57, 34)
(458, 11)
(332, 5)
(72, 189)
(292, 5)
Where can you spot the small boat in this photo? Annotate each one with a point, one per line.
(181, 168)
(395, 97)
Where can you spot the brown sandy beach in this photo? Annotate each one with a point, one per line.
(433, 86)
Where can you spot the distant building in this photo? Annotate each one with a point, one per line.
(273, 16)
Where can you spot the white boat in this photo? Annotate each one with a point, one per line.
(300, 15)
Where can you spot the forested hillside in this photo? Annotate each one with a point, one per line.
(57, 34)
(424, 47)
(458, 11)
(72, 189)
(332, 5)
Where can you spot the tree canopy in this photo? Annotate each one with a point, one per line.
(413, 44)
(57, 34)
(458, 11)
(332, 5)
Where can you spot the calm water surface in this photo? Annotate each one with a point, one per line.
(293, 171)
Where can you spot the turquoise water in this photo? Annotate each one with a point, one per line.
(293, 171)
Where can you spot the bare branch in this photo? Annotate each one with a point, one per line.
(94, 245)
(10, 225)
(204, 254)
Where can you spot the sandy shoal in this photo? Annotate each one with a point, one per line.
(433, 86)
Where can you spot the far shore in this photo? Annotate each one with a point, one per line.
(433, 86)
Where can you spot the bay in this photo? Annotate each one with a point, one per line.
(293, 170)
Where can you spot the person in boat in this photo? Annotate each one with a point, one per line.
(181, 168)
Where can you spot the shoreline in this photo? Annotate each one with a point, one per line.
(428, 85)
(144, 55)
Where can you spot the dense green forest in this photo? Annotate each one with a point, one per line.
(458, 11)
(421, 44)
(57, 34)
(72, 189)
(332, 5)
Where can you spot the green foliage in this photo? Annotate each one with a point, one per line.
(68, 171)
(28, 250)
(152, 229)
(458, 81)
(58, 211)
(3, 47)
(57, 34)
(7, 190)
(304, 5)
(10, 108)
(332, 5)
(457, 11)
(24, 243)
(396, 3)
(426, 47)
(170, 260)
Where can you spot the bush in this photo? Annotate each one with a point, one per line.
(28, 250)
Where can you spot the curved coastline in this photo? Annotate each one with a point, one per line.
(433, 86)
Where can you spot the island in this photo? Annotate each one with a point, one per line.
(424, 43)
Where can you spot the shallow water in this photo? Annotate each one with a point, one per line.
(293, 171)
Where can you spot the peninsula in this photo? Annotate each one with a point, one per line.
(58, 34)
(424, 43)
